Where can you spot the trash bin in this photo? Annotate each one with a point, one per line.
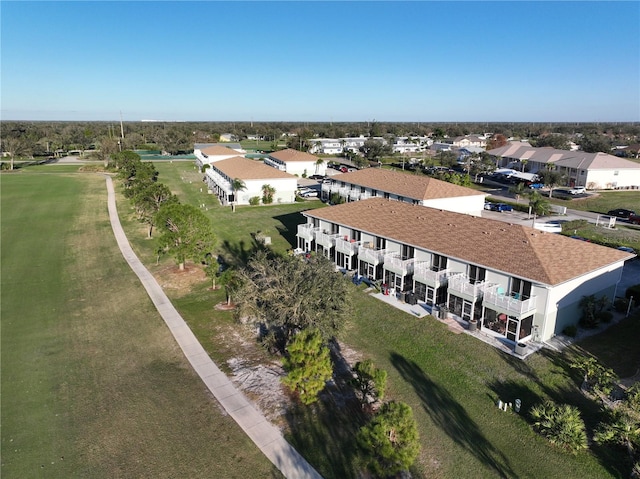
(403, 296)
(473, 325)
(521, 349)
(444, 312)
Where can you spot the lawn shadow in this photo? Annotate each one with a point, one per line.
(239, 253)
(288, 227)
(451, 417)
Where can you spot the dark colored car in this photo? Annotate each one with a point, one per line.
(621, 213)
(634, 219)
(501, 207)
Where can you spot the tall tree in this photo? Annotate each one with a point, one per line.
(539, 205)
(308, 365)
(518, 191)
(148, 201)
(374, 149)
(288, 295)
(186, 233)
(390, 441)
(15, 147)
(369, 382)
(267, 194)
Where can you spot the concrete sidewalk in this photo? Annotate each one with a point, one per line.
(266, 436)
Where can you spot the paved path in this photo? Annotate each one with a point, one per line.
(266, 436)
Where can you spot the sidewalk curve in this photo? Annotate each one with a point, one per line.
(264, 434)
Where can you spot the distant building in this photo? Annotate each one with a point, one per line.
(296, 162)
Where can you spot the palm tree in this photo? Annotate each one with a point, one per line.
(561, 424)
(539, 206)
(551, 177)
(236, 185)
(518, 190)
(622, 429)
(267, 194)
(319, 163)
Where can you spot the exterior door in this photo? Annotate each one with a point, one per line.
(467, 308)
(512, 329)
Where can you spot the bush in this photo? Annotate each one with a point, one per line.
(570, 331)
(254, 200)
(633, 291)
(561, 425)
(621, 305)
(605, 316)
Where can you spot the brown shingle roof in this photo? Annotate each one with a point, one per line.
(218, 151)
(518, 250)
(292, 155)
(405, 184)
(245, 169)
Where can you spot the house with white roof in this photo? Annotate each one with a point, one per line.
(513, 281)
(410, 188)
(296, 162)
(254, 174)
(470, 140)
(591, 170)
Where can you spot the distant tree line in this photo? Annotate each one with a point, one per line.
(45, 138)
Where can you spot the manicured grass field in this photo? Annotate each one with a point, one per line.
(93, 385)
(452, 382)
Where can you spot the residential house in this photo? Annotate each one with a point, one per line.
(591, 170)
(410, 188)
(254, 174)
(210, 154)
(470, 140)
(296, 162)
(516, 282)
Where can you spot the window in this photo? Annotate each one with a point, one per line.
(520, 289)
(335, 229)
(438, 262)
(386, 196)
(355, 235)
(381, 243)
(476, 274)
(615, 173)
(374, 192)
(408, 252)
(316, 223)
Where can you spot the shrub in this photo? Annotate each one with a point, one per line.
(633, 291)
(570, 331)
(254, 200)
(621, 304)
(605, 316)
(561, 425)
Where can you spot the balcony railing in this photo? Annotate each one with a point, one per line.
(423, 273)
(372, 256)
(394, 263)
(510, 304)
(460, 284)
(325, 239)
(274, 164)
(347, 246)
(307, 231)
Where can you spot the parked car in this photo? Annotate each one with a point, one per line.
(309, 194)
(577, 190)
(621, 213)
(316, 177)
(536, 186)
(487, 206)
(501, 207)
(344, 169)
(634, 219)
(626, 249)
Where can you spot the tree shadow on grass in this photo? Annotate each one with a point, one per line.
(288, 227)
(452, 418)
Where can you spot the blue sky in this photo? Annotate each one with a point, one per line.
(321, 61)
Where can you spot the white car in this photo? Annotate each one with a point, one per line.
(577, 190)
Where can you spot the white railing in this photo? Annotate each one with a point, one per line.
(425, 275)
(509, 303)
(307, 231)
(394, 262)
(373, 256)
(459, 283)
(274, 164)
(347, 246)
(325, 239)
(420, 269)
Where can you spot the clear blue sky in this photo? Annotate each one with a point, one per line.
(321, 61)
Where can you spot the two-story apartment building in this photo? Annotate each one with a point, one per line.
(207, 154)
(518, 283)
(591, 170)
(296, 162)
(254, 174)
(395, 185)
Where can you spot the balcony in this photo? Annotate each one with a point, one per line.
(393, 262)
(325, 239)
(370, 255)
(347, 246)
(274, 164)
(307, 231)
(511, 305)
(423, 274)
(459, 285)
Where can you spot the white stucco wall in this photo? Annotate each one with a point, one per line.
(299, 168)
(470, 205)
(604, 179)
(285, 190)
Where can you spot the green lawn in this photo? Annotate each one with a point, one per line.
(92, 383)
(451, 381)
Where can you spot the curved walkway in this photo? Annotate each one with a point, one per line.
(266, 436)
